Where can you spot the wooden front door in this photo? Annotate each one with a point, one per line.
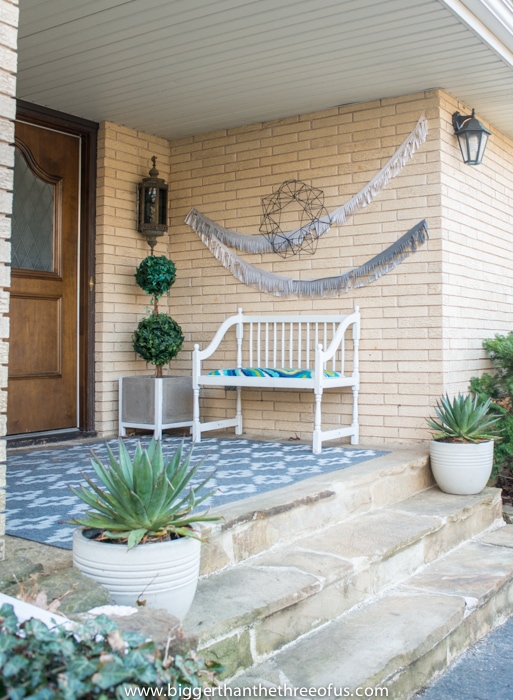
(43, 354)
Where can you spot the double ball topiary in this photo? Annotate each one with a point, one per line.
(158, 338)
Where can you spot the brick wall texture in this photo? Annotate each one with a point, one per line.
(422, 324)
(8, 62)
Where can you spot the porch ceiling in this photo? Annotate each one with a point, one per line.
(181, 67)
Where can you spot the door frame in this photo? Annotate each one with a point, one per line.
(87, 131)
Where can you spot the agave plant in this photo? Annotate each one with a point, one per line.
(147, 497)
(463, 419)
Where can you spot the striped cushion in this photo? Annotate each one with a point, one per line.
(270, 372)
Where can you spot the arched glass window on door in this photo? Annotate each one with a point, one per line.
(33, 218)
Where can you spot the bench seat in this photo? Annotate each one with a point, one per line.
(284, 372)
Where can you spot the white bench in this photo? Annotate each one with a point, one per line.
(281, 352)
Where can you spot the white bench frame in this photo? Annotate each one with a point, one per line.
(281, 341)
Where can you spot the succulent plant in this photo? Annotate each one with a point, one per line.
(463, 419)
(145, 499)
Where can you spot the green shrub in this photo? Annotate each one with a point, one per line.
(93, 661)
(499, 388)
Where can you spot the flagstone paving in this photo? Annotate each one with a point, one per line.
(365, 577)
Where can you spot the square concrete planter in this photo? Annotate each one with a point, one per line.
(155, 404)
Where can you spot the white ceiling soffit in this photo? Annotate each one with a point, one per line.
(491, 19)
(181, 67)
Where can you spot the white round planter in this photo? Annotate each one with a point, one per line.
(164, 574)
(461, 468)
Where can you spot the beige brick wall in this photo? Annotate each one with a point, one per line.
(8, 63)
(476, 251)
(226, 174)
(421, 334)
(124, 158)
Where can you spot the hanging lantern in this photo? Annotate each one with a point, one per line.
(472, 137)
(152, 206)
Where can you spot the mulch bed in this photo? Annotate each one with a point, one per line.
(505, 482)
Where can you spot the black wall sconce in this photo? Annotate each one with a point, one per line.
(472, 137)
(152, 206)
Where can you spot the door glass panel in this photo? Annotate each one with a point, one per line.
(32, 219)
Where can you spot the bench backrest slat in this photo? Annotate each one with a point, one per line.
(288, 343)
(285, 341)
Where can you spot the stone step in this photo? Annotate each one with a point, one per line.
(246, 612)
(405, 637)
(279, 517)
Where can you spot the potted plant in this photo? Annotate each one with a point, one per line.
(139, 537)
(156, 402)
(461, 451)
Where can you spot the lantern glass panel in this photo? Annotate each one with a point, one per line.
(150, 197)
(162, 206)
(482, 147)
(473, 146)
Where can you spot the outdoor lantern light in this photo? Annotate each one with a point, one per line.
(472, 137)
(152, 206)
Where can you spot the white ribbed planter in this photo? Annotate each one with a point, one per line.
(164, 574)
(461, 468)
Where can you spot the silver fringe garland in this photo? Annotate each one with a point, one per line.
(281, 286)
(217, 238)
(258, 243)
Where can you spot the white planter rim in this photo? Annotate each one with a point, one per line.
(119, 545)
(467, 443)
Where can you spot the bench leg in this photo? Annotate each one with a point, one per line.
(355, 437)
(196, 427)
(121, 425)
(317, 433)
(238, 414)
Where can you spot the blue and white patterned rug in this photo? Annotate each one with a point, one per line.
(38, 500)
